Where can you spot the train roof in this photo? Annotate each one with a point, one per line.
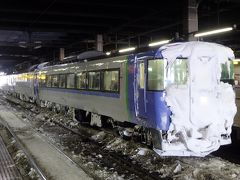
(169, 51)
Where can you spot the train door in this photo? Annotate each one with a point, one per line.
(140, 85)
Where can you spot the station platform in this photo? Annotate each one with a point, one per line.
(8, 170)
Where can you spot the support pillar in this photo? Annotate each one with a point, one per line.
(190, 24)
(61, 54)
(99, 42)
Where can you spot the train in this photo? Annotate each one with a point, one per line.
(177, 98)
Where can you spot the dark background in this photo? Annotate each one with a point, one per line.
(33, 31)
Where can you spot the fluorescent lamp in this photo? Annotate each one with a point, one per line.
(37, 47)
(108, 53)
(159, 43)
(127, 49)
(213, 32)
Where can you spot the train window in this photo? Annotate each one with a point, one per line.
(55, 81)
(141, 75)
(155, 74)
(42, 79)
(94, 80)
(178, 72)
(111, 80)
(227, 70)
(70, 81)
(29, 77)
(48, 81)
(227, 74)
(62, 81)
(24, 77)
(81, 80)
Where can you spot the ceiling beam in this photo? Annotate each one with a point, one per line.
(63, 14)
(37, 28)
(53, 22)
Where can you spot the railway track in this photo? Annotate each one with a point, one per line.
(115, 158)
(28, 116)
(75, 137)
(21, 147)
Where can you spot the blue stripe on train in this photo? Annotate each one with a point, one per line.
(76, 91)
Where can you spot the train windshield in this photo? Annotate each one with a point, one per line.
(227, 74)
(155, 74)
(159, 77)
(177, 74)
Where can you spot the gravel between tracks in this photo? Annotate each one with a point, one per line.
(137, 155)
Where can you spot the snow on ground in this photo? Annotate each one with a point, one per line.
(208, 167)
(177, 167)
(41, 150)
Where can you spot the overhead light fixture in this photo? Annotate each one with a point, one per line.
(37, 47)
(158, 43)
(216, 31)
(108, 53)
(127, 49)
(236, 61)
(34, 45)
(22, 44)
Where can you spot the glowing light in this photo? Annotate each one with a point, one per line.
(150, 69)
(108, 53)
(127, 49)
(236, 60)
(159, 43)
(204, 100)
(216, 31)
(42, 76)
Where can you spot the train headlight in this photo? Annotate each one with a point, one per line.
(203, 100)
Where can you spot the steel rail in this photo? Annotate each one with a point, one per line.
(21, 146)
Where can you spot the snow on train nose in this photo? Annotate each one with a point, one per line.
(202, 110)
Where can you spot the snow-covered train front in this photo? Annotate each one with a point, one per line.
(173, 96)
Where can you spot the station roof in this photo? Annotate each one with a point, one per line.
(33, 31)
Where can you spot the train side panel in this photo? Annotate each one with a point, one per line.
(24, 85)
(109, 104)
